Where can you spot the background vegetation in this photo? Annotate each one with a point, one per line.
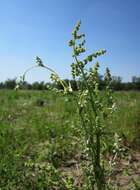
(117, 84)
(40, 138)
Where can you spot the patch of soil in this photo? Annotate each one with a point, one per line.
(127, 171)
(125, 174)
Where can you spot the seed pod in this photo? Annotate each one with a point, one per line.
(94, 55)
(103, 52)
(85, 61)
(78, 25)
(39, 62)
(83, 42)
(89, 58)
(71, 43)
(74, 33)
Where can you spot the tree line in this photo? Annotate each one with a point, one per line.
(117, 84)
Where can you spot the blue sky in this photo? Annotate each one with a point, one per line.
(43, 27)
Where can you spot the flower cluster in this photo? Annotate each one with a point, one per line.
(78, 44)
(39, 62)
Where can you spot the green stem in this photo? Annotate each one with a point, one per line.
(96, 150)
(29, 70)
(62, 82)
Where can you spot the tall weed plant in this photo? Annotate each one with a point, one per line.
(94, 107)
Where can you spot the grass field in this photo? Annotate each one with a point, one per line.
(41, 141)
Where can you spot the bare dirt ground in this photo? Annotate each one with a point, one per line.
(127, 171)
(126, 174)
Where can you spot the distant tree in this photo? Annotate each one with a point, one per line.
(26, 85)
(10, 83)
(117, 83)
(39, 86)
(36, 86)
(74, 85)
(1, 85)
(136, 82)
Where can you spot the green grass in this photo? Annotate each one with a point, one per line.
(36, 139)
(127, 118)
